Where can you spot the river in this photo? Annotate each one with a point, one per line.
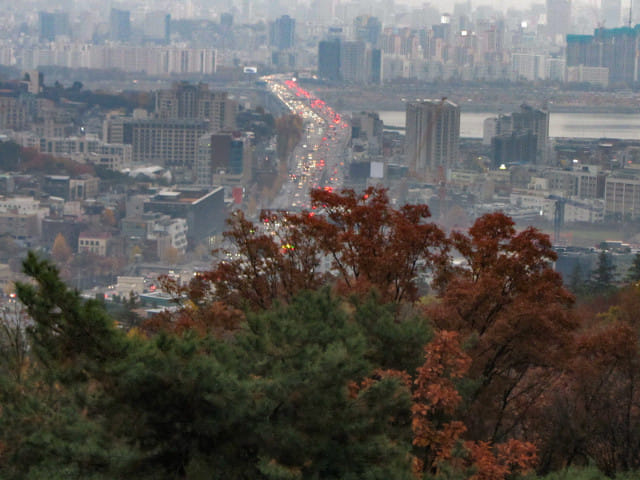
(576, 125)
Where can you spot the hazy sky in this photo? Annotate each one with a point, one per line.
(505, 4)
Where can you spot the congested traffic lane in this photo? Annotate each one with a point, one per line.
(318, 160)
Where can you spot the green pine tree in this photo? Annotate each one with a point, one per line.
(633, 274)
(603, 277)
(295, 394)
(577, 281)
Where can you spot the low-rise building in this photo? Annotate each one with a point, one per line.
(622, 194)
(224, 158)
(203, 209)
(20, 225)
(63, 186)
(95, 243)
(584, 181)
(89, 150)
(174, 229)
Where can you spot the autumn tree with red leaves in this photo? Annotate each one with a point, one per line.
(370, 245)
(436, 400)
(263, 265)
(594, 413)
(438, 435)
(513, 313)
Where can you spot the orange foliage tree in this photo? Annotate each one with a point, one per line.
(595, 412)
(513, 313)
(371, 242)
(368, 242)
(61, 252)
(438, 435)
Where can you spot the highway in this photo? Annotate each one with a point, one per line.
(319, 160)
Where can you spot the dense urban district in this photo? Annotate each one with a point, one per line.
(319, 240)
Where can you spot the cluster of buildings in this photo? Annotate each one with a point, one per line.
(151, 222)
(155, 60)
(188, 139)
(342, 41)
(484, 50)
(516, 168)
(433, 137)
(173, 136)
(610, 53)
(146, 49)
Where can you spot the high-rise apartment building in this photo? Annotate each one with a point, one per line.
(536, 121)
(282, 32)
(520, 137)
(433, 136)
(186, 100)
(514, 147)
(119, 25)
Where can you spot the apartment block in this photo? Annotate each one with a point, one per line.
(433, 136)
(622, 194)
(189, 101)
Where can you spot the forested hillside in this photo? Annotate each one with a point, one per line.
(415, 354)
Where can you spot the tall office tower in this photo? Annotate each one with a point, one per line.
(558, 18)
(353, 64)
(367, 29)
(186, 100)
(119, 25)
(53, 24)
(282, 32)
(157, 27)
(329, 59)
(433, 136)
(610, 12)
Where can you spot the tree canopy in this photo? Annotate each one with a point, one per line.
(314, 348)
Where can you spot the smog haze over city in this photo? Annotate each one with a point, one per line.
(319, 239)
